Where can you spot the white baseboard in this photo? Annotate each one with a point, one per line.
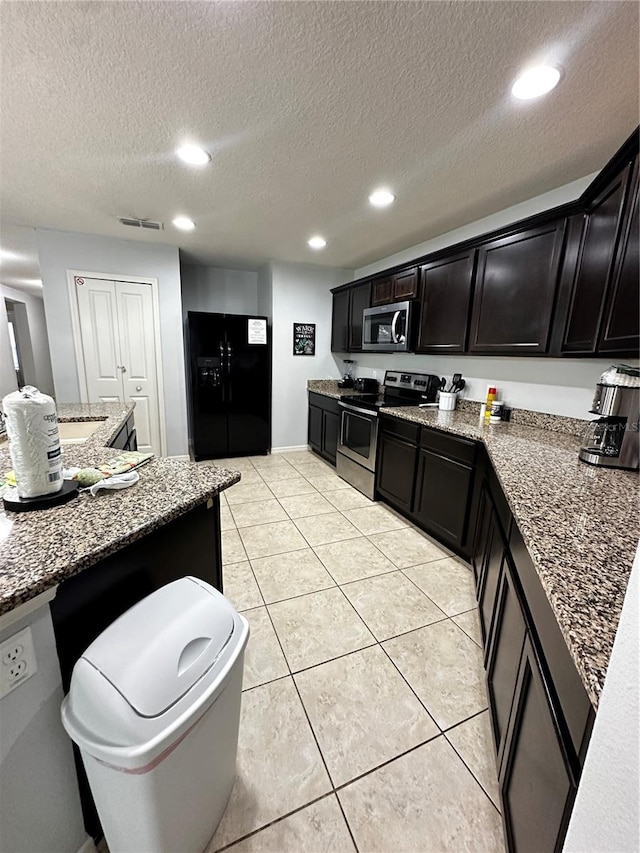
(88, 846)
(290, 449)
(181, 458)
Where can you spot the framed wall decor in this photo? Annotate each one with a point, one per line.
(304, 338)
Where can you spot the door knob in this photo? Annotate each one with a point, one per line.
(138, 387)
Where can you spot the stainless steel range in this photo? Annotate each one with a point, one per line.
(358, 439)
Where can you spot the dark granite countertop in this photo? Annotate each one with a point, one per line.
(579, 523)
(40, 549)
(329, 388)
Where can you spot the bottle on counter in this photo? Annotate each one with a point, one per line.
(491, 396)
(497, 408)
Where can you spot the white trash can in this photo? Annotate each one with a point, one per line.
(154, 707)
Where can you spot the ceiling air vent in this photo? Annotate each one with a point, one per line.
(141, 223)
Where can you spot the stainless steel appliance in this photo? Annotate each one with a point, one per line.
(230, 384)
(389, 328)
(613, 440)
(358, 437)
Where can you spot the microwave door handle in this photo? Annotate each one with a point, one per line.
(394, 334)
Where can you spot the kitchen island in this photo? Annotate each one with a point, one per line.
(40, 549)
(66, 573)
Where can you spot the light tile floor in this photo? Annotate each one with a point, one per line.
(364, 719)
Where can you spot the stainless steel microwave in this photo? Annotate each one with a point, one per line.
(388, 328)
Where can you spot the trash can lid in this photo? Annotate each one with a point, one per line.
(156, 651)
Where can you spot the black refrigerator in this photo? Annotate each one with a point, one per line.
(229, 384)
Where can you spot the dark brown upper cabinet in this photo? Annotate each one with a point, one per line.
(340, 321)
(595, 267)
(360, 299)
(515, 291)
(398, 287)
(446, 303)
(620, 331)
(382, 291)
(346, 320)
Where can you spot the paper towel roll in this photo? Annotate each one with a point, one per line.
(34, 443)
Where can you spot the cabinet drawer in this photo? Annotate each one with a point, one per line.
(400, 428)
(448, 445)
(329, 404)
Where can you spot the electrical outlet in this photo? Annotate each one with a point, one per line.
(17, 661)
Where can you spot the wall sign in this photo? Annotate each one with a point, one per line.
(257, 331)
(304, 338)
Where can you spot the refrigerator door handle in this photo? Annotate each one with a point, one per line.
(229, 354)
(222, 372)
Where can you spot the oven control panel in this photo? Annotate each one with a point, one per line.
(414, 381)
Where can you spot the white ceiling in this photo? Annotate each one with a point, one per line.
(306, 107)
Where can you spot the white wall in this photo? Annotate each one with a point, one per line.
(606, 814)
(60, 251)
(265, 292)
(8, 382)
(557, 386)
(561, 195)
(553, 385)
(39, 799)
(34, 305)
(219, 290)
(300, 294)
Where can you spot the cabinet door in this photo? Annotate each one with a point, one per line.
(443, 494)
(505, 651)
(405, 285)
(395, 473)
(594, 266)
(330, 428)
(340, 322)
(494, 550)
(620, 332)
(382, 291)
(515, 291)
(315, 428)
(446, 303)
(360, 299)
(536, 785)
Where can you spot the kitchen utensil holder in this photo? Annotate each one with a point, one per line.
(447, 401)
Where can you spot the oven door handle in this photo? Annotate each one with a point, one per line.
(349, 408)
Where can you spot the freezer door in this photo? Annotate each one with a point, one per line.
(248, 386)
(208, 387)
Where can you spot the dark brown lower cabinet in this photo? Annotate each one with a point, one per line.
(504, 654)
(535, 780)
(397, 462)
(430, 476)
(443, 496)
(323, 426)
(540, 713)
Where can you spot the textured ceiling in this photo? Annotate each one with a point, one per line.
(305, 107)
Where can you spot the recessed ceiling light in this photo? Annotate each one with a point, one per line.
(193, 155)
(536, 81)
(317, 242)
(381, 198)
(184, 223)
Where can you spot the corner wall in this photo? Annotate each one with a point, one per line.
(8, 381)
(43, 378)
(218, 290)
(109, 257)
(300, 294)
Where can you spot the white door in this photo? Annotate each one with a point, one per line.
(118, 344)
